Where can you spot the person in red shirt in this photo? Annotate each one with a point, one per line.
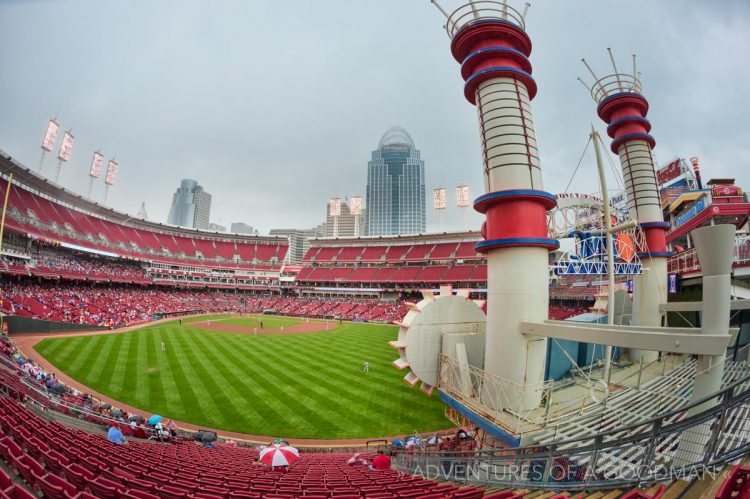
(381, 462)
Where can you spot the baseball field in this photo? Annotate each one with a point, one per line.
(287, 377)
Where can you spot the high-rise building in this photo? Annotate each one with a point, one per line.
(299, 241)
(191, 206)
(216, 227)
(395, 187)
(344, 225)
(242, 228)
(142, 214)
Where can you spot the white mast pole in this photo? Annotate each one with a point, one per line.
(610, 251)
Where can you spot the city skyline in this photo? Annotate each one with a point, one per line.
(191, 206)
(169, 102)
(395, 198)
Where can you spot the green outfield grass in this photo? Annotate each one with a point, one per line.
(307, 385)
(269, 321)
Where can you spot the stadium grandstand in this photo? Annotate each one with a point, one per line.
(547, 373)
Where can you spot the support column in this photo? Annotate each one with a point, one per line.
(625, 110)
(493, 53)
(715, 245)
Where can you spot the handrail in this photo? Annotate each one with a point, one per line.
(482, 10)
(689, 445)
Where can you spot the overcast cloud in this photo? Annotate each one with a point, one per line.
(275, 107)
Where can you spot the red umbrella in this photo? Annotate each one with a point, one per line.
(278, 455)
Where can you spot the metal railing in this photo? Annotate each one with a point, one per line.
(667, 447)
(491, 396)
(483, 10)
(687, 261)
(616, 83)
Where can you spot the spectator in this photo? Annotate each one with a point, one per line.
(381, 462)
(115, 436)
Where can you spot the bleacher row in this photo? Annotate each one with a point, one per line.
(410, 274)
(51, 460)
(32, 214)
(60, 462)
(423, 252)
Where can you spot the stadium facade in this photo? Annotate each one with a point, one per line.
(191, 206)
(396, 187)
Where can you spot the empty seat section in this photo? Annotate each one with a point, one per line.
(395, 253)
(373, 254)
(479, 274)
(349, 254)
(264, 252)
(363, 274)
(225, 249)
(318, 274)
(206, 247)
(281, 253)
(418, 252)
(339, 273)
(385, 274)
(310, 255)
(458, 273)
(166, 241)
(246, 251)
(326, 254)
(432, 273)
(304, 273)
(443, 251)
(406, 274)
(150, 240)
(466, 250)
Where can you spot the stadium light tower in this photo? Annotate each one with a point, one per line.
(95, 171)
(334, 209)
(489, 40)
(462, 201)
(439, 203)
(112, 169)
(356, 211)
(48, 143)
(622, 106)
(66, 148)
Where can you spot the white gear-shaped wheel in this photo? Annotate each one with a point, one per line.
(420, 337)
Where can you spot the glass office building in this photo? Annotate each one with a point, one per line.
(395, 187)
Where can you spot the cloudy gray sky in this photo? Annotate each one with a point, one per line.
(275, 107)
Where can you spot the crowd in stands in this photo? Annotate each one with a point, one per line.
(71, 264)
(118, 305)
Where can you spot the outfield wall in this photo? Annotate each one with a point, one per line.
(26, 325)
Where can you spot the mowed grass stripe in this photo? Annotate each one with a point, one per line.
(263, 402)
(346, 383)
(324, 405)
(285, 391)
(294, 385)
(118, 377)
(229, 391)
(223, 401)
(335, 393)
(179, 380)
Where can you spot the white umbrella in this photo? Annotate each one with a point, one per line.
(278, 455)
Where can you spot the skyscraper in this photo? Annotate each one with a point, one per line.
(395, 186)
(299, 241)
(345, 224)
(191, 206)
